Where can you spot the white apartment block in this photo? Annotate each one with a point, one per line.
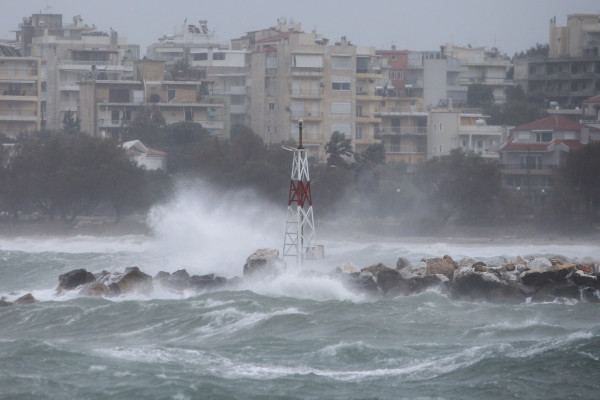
(224, 70)
(20, 95)
(70, 53)
(300, 76)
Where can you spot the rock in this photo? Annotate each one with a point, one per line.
(590, 295)
(419, 284)
(449, 260)
(402, 263)
(264, 263)
(162, 275)
(480, 267)
(74, 278)
(94, 289)
(558, 260)
(542, 275)
(200, 282)
(348, 268)
(471, 285)
(441, 266)
(26, 299)
(4, 303)
(585, 268)
(420, 269)
(467, 262)
(387, 279)
(580, 278)
(133, 280)
(551, 292)
(179, 280)
(539, 262)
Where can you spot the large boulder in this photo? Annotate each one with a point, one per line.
(582, 279)
(264, 263)
(73, 279)
(547, 274)
(402, 263)
(440, 266)
(26, 299)
(472, 286)
(419, 284)
(550, 292)
(94, 289)
(131, 281)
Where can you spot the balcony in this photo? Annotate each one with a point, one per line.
(237, 108)
(18, 118)
(212, 124)
(367, 118)
(306, 93)
(69, 88)
(403, 149)
(311, 116)
(113, 123)
(305, 72)
(532, 168)
(233, 90)
(409, 130)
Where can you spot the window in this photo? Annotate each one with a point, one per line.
(114, 116)
(358, 132)
(127, 115)
(171, 94)
(338, 62)
(398, 74)
(362, 65)
(271, 106)
(297, 109)
(340, 108)
(393, 57)
(340, 85)
(218, 56)
(189, 114)
(200, 56)
(118, 95)
(308, 61)
(543, 136)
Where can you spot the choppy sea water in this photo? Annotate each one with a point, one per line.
(294, 337)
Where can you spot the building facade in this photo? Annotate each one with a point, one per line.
(70, 53)
(571, 72)
(20, 95)
(109, 106)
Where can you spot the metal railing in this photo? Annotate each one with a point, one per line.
(409, 130)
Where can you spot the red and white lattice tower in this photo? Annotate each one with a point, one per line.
(299, 241)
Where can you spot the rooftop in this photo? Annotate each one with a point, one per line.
(553, 123)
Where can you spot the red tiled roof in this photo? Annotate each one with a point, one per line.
(516, 146)
(152, 152)
(268, 49)
(512, 145)
(595, 99)
(571, 144)
(276, 38)
(552, 122)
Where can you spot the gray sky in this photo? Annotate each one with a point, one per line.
(510, 25)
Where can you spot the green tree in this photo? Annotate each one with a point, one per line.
(516, 111)
(582, 170)
(146, 126)
(479, 95)
(338, 148)
(460, 185)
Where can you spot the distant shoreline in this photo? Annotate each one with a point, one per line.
(367, 231)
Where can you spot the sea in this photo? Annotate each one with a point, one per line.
(298, 336)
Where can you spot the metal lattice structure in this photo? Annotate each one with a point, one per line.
(299, 241)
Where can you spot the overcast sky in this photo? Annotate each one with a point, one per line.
(510, 25)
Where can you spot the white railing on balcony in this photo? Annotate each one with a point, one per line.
(402, 149)
(305, 92)
(409, 130)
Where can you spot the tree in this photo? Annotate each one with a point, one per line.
(479, 95)
(146, 126)
(582, 170)
(460, 185)
(338, 147)
(540, 49)
(516, 111)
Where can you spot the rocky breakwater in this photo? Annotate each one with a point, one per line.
(499, 280)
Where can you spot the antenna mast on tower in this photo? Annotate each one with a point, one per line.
(299, 241)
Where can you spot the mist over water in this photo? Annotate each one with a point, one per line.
(298, 336)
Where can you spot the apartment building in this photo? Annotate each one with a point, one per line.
(211, 61)
(20, 94)
(571, 72)
(397, 64)
(435, 78)
(403, 129)
(534, 151)
(450, 129)
(489, 68)
(109, 106)
(296, 75)
(72, 52)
